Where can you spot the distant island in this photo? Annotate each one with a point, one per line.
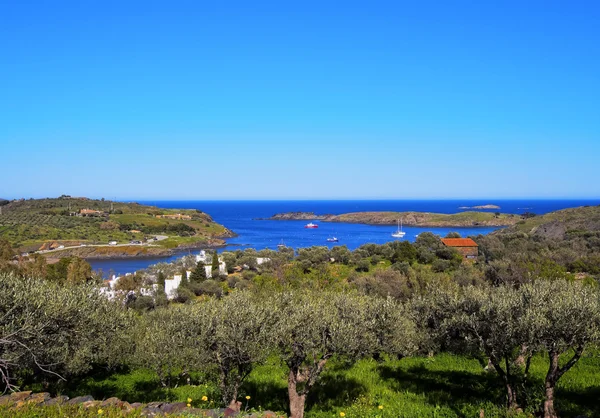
(91, 228)
(421, 219)
(480, 207)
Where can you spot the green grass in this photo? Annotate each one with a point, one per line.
(441, 386)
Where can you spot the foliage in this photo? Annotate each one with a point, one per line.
(57, 331)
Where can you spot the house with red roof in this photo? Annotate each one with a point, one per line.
(466, 246)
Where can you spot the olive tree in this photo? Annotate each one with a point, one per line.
(233, 334)
(313, 327)
(58, 330)
(563, 319)
(165, 344)
(480, 320)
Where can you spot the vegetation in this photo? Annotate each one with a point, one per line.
(28, 224)
(387, 330)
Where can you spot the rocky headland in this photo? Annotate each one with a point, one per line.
(420, 219)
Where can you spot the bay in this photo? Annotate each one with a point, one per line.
(242, 217)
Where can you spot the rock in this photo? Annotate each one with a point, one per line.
(110, 402)
(4, 400)
(154, 405)
(91, 404)
(57, 400)
(136, 405)
(213, 413)
(38, 398)
(80, 399)
(151, 412)
(173, 408)
(229, 412)
(125, 406)
(19, 396)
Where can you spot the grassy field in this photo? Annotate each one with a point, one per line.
(441, 386)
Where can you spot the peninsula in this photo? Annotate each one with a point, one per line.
(421, 219)
(88, 228)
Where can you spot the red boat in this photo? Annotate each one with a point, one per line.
(311, 225)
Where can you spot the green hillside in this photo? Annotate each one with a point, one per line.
(560, 224)
(28, 224)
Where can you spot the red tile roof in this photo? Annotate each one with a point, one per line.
(459, 242)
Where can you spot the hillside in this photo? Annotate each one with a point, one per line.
(421, 219)
(559, 224)
(46, 224)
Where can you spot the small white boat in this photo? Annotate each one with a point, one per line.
(281, 244)
(332, 239)
(311, 225)
(399, 233)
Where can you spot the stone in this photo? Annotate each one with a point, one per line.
(151, 412)
(91, 404)
(80, 399)
(110, 402)
(57, 400)
(19, 396)
(137, 405)
(173, 408)
(38, 398)
(5, 400)
(154, 404)
(125, 406)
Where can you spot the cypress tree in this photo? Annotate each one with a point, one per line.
(215, 265)
(199, 273)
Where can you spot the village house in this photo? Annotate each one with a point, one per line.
(91, 212)
(466, 246)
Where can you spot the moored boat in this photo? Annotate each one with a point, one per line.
(311, 225)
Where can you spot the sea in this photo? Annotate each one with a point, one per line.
(246, 219)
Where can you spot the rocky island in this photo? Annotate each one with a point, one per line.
(480, 207)
(421, 219)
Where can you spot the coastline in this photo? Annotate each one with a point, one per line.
(416, 219)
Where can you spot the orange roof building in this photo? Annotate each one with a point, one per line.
(466, 246)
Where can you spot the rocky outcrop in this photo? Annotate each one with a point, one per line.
(421, 219)
(298, 216)
(153, 409)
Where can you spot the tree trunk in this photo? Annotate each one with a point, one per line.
(297, 401)
(549, 411)
(511, 393)
(551, 378)
(520, 360)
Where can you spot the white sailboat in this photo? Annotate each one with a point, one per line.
(399, 233)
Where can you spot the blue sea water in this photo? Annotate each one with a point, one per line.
(242, 217)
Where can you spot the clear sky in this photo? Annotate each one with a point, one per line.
(299, 99)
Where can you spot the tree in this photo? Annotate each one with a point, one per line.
(312, 327)
(165, 344)
(215, 265)
(235, 334)
(160, 280)
(563, 319)
(79, 271)
(481, 320)
(453, 235)
(80, 329)
(198, 274)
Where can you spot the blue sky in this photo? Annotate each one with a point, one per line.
(251, 100)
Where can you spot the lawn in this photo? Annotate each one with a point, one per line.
(441, 386)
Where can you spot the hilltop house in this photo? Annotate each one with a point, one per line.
(91, 212)
(466, 246)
